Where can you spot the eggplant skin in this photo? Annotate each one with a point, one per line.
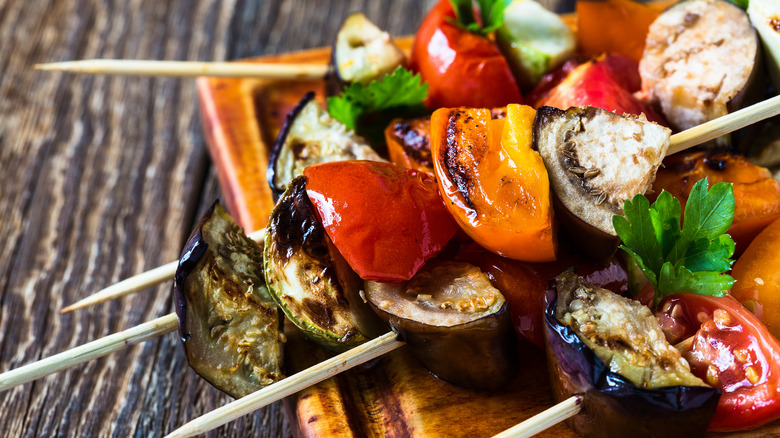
(612, 406)
(230, 327)
(478, 354)
(310, 280)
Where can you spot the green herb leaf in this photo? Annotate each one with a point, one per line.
(687, 259)
(491, 13)
(368, 109)
(741, 3)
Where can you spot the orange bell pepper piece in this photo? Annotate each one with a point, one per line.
(756, 193)
(758, 278)
(493, 183)
(408, 143)
(614, 26)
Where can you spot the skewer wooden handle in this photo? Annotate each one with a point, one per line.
(190, 69)
(138, 282)
(89, 351)
(297, 382)
(544, 420)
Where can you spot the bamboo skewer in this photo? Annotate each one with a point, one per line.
(544, 420)
(138, 282)
(723, 125)
(92, 350)
(290, 385)
(300, 72)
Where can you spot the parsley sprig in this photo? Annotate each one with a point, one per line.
(491, 13)
(688, 259)
(367, 109)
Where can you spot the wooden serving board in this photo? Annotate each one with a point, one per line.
(394, 395)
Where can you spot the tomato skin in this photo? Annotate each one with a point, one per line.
(606, 82)
(757, 273)
(461, 68)
(732, 351)
(385, 220)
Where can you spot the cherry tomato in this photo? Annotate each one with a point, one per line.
(524, 284)
(731, 350)
(756, 193)
(757, 273)
(385, 220)
(461, 68)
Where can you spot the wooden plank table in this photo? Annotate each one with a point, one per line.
(103, 177)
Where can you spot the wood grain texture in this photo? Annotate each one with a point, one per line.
(102, 178)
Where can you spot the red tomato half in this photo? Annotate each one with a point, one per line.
(730, 350)
(606, 82)
(461, 68)
(385, 220)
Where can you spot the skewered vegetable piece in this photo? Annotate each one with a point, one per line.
(701, 59)
(461, 67)
(765, 17)
(756, 193)
(455, 321)
(727, 346)
(363, 52)
(533, 40)
(385, 220)
(607, 82)
(310, 136)
(409, 143)
(597, 160)
(612, 351)
(495, 185)
(309, 279)
(628, 22)
(757, 273)
(229, 325)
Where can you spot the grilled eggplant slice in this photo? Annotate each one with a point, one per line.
(701, 61)
(455, 321)
(310, 136)
(230, 326)
(363, 52)
(310, 280)
(596, 160)
(612, 351)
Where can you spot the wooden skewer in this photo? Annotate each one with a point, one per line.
(544, 420)
(558, 413)
(89, 351)
(139, 282)
(297, 382)
(724, 124)
(189, 69)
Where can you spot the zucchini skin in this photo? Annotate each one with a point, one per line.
(330, 311)
(612, 405)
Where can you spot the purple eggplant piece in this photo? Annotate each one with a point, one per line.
(478, 353)
(230, 327)
(611, 404)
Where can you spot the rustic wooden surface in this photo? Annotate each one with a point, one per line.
(102, 179)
